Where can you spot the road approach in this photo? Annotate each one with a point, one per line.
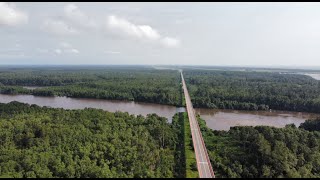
(203, 161)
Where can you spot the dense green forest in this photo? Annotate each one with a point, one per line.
(263, 151)
(139, 84)
(253, 90)
(180, 158)
(54, 142)
(46, 142)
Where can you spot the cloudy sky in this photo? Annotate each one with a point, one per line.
(160, 33)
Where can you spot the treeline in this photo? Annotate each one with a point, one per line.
(46, 142)
(265, 152)
(47, 76)
(143, 85)
(180, 156)
(253, 90)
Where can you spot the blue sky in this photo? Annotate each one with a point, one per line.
(160, 33)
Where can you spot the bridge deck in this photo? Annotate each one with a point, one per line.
(203, 161)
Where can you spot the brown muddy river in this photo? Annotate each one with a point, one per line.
(224, 119)
(81, 103)
(215, 119)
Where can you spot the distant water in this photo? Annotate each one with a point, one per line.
(224, 119)
(215, 119)
(314, 76)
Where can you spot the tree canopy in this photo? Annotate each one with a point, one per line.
(253, 90)
(47, 142)
(141, 84)
(263, 151)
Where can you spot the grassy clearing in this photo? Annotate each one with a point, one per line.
(191, 164)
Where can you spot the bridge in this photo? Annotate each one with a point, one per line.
(202, 158)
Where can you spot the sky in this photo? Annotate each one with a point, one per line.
(207, 33)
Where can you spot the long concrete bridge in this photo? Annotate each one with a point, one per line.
(203, 161)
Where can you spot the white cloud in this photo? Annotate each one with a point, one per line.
(75, 51)
(124, 26)
(58, 51)
(143, 32)
(11, 16)
(111, 52)
(75, 15)
(70, 23)
(58, 27)
(40, 50)
(65, 45)
(170, 42)
(72, 51)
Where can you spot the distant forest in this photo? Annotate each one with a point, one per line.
(120, 83)
(241, 90)
(253, 90)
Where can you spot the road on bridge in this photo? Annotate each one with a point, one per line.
(203, 161)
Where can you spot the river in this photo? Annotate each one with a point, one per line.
(215, 119)
(108, 105)
(314, 75)
(224, 119)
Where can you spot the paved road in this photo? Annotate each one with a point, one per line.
(203, 161)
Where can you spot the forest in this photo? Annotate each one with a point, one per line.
(122, 83)
(253, 90)
(265, 152)
(46, 142)
(54, 142)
